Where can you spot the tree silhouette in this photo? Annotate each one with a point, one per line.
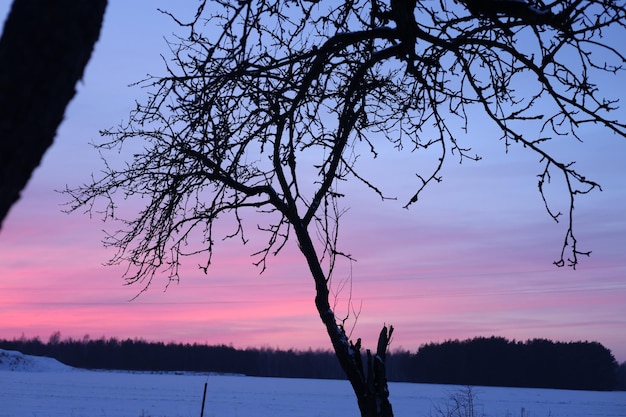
(268, 105)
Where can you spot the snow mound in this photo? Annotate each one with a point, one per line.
(11, 360)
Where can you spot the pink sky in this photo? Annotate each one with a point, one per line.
(473, 258)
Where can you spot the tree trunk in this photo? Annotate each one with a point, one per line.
(44, 49)
(369, 384)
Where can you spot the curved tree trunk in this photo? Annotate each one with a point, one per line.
(44, 49)
(369, 383)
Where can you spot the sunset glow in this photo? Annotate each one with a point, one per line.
(472, 258)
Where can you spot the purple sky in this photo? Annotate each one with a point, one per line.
(472, 258)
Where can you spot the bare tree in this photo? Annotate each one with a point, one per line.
(267, 105)
(44, 49)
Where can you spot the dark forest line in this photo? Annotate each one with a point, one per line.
(494, 361)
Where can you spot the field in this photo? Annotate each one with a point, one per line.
(34, 387)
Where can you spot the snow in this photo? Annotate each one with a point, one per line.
(11, 360)
(33, 386)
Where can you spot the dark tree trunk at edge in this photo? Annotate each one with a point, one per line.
(44, 49)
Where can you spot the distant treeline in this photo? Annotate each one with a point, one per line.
(493, 361)
(536, 363)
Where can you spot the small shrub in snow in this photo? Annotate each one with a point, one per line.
(461, 403)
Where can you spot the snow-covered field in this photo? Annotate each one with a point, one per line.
(32, 386)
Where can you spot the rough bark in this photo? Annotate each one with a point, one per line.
(369, 384)
(44, 49)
